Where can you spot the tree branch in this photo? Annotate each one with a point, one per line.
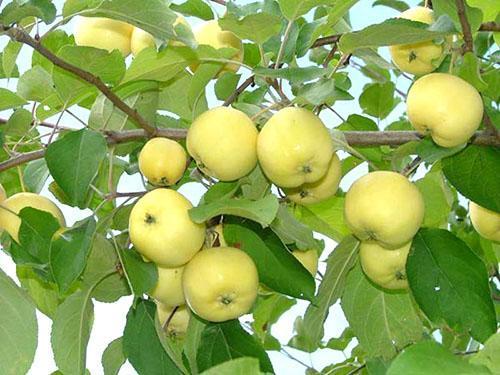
(248, 82)
(490, 26)
(22, 36)
(220, 2)
(326, 40)
(468, 41)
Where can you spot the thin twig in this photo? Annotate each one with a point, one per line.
(490, 26)
(220, 2)
(469, 43)
(250, 81)
(281, 51)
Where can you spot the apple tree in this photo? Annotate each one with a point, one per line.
(202, 157)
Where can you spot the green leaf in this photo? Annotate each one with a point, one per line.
(488, 356)
(293, 75)
(293, 9)
(142, 276)
(18, 10)
(113, 357)
(392, 31)
(226, 341)
(203, 75)
(470, 71)
(35, 84)
(432, 152)
(9, 100)
(73, 162)
(473, 164)
(192, 341)
(450, 283)
(71, 329)
(240, 366)
(226, 84)
(195, 8)
(42, 292)
(378, 99)
(449, 8)
(13, 74)
(10, 55)
(262, 211)
(257, 27)
(292, 231)
(339, 263)
(392, 322)
(438, 199)
(69, 251)
(18, 328)
(317, 93)
(428, 357)
(398, 5)
(35, 175)
(278, 268)
(140, 334)
(53, 41)
(19, 123)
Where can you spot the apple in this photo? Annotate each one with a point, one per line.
(161, 230)
(384, 206)
(223, 142)
(162, 161)
(308, 258)
(294, 148)
(485, 222)
(104, 33)
(175, 323)
(211, 34)
(446, 106)
(386, 268)
(324, 188)
(168, 289)
(10, 207)
(422, 57)
(220, 283)
(3, 194)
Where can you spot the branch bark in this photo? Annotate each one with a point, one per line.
(248, 82)
(468, 41)
(490, 26)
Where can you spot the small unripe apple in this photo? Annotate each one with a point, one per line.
(104, 33)
(168, 289)
(294, 148)
(386, 268)
(175, 323)
(422, 57)
(446, 106)
(220, 283)
(162, 161)
(485, 222)
(223, 142)
(308, 258)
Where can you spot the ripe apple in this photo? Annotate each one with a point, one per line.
(162, 161)
(223, 141)
(384, 206)
(104, 33)
(320, 190)
(446, 106)
(14, 204)
(309, 259)
(485, 222)
(177, 326)
(386, 268)
(294, 148)
(220, 283)
(422, 57)
(161, 230)
(3, 193)
(168, 289)
(211, 34)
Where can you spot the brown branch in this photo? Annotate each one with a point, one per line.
(468, 41)
(21, 159)
(250, 81)
(326, 40)
(22, 36)
(220, 2)
(490, 26)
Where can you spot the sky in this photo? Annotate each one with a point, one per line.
(110, 318)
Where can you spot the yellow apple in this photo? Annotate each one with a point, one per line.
(294, 148)
(177, 326)
(308, 258)
(168, 289)
(3, 193)
(162, 161)
(14, 204)
(223, 141)
(386, 268)
(446, 106)
(422, 57)
(220, 283)
(104, 33)
(320, 190)
(211, 34)
(384, 206)
(161, 230)
(485, 222)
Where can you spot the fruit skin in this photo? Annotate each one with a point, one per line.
(384, 206)
(161, 230)
(220, 283)
(140, 40)
(446, 106)
(223, 141)
(320, 190)
(168, 289)
(485, 222)
(104, 33)
(309, 259)
(417, 58)
(3, 193)
(294, 148)
(162, 161)
(386, 268)
(17, 202)
(177, 326)
(211, 34)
